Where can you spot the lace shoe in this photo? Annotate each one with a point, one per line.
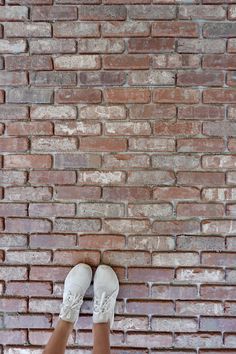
(75, 286)
(106, 288)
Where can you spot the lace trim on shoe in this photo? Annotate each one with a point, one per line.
(71, 305)
(102, 305)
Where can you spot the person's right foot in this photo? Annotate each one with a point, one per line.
(106, 288)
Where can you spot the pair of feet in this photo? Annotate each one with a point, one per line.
(106, 288)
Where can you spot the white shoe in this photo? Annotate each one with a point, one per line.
(75, 286)
(106, 288)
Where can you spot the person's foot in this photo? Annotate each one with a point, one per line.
(106, 288)
(75, 286)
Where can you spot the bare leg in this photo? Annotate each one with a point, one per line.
(101, 338)
(58, 340)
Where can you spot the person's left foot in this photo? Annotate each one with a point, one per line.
(75, 286)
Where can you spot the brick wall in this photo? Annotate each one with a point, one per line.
(118, 142)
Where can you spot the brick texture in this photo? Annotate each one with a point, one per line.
(118, 146)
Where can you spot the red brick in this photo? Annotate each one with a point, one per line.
(52, 273)
(126, 193)
(102, 241)
(24, 62)
(199, 210)
(52, 177)
(204, 78)
(12, 145)
(153, 274)
(25, 288)
(32, 128)
(177, 129)
(127, 95)
(200, 145)
(201, 112)
(232, 144)
(152, 111)
(52, 13)
(219, 61)
(176, 95)
(175, 227)
(212, 95)
(200, 178)
(28, 161)
(218, 259)
(150, 45)
(176, 193)
(27, 225)
(126, 258)
(125, 62)
(150, 307)
(15, 209)
(77, 192)
(52, 240)
(175, 29)
(153, 339)
(45, 78)
(27, 321)
(219, 292)
(231, 45)
(78, 96)
(217, 324)
(126, 161)
(103, 144)
(51, 209)
(73, 257)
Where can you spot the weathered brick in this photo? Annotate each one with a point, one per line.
(126, 29)
(74, 192)
(13, 46)
(54, 144)
(31, 30)
(127, 95)
(103, 144)
(53, 78)
(28, 193)
(12, 145)
(29, 95)
(150, 45)
(50, 240)
(102, 78)
(52, 112)
(51, 209)
(200, 275)
(77, 62)
(82, 95)
(96, 177)
(124, 62)
(76, 225)
(24, 62)
(75, 257)
(176, 95)
(29, 128)
(52, 46)
(13, 178)
(14, 13)
(219, 61)
(102, 13)
(151, 12)
(219, 128)
(175, 60)
(28, 161)
(75, 29)
(53, 13)
(201, 112)
(97, 209)
(52, 177)
(27, 225)
(199, 210)
(128, 225)
(177, 162)
(151, 144)
(204, 78)
(126, 193)
(102, 112)
(201, 45)
(202, 12)
(101, 46)
(175, 29)
(13, 78)
(74, 160)
(200, 178)
(220, 30)
(13, 112)
(151, 78)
